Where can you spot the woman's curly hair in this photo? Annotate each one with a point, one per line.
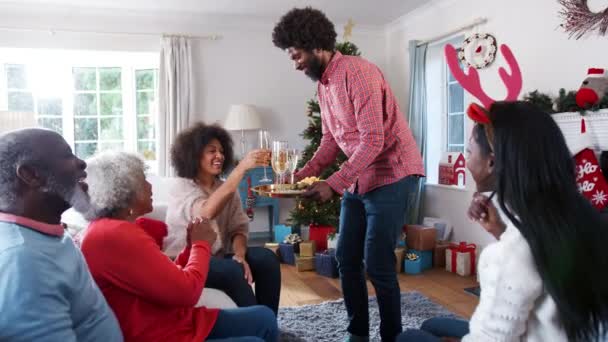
(305, 28)
(189, 145)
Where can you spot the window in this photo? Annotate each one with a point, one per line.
(445, 110)
(97, 101)
(146, 85)
(455, 114)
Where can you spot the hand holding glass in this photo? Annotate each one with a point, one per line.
(264, 145)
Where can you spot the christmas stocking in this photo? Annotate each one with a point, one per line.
(589, 178)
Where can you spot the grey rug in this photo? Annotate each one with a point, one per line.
(327, 321)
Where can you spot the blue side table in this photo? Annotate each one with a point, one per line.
(271, 203)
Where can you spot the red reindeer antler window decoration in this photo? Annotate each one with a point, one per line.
(471, 83)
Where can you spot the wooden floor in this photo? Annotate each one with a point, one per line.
(444, 288)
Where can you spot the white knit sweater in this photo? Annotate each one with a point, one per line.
(513, 306)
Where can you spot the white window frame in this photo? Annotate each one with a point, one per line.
(449, 114)
(66, 60)
(437, 85)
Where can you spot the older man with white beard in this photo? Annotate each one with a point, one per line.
(46, 290)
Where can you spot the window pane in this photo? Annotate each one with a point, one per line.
(52, 124)
(85, 129)
(145, 127)
(50, 106)
(111, 129)
(111, 146)
(109, 79)
(143, 102)
(20, 101)
(85, 150)
(147, 149)
(456, 98)
(85, 78)
(144, 79)
(111, 104)
(456, 129)
(16, 77)
(85, 104)
(456, 149)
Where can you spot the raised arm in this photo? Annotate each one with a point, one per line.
(213, 205)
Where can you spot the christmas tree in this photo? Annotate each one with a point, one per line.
(308, 212)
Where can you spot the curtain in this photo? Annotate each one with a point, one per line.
(417, 120)
(175, 96)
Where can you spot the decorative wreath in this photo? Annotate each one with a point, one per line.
(579, 20)
(478, 50)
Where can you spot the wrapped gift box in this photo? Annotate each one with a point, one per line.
(319, 235)
(288, 254)
(443, 226)
(305, 233)
(307, 249)
(425, 257)
(332, 241)
(305, 263)
(460, 258)
(280, 232)
(412, 266)
(439, 253)
(420, 237)
(326, 264)
(399, 255)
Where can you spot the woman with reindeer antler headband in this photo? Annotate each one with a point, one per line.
(544, 279)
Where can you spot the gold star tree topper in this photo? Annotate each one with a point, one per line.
(348, 29)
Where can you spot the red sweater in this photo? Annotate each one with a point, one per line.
(152, 297)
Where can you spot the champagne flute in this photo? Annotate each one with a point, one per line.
(279, 158)
(293, 156)
(264, 145)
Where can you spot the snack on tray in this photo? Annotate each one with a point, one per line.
(306, 182)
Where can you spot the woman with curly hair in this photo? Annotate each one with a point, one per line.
(360, 116)
(199, 155)
(154, 298)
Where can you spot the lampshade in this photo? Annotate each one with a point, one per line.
(242, 117)
(10, 121)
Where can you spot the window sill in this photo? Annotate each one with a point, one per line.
(448, 187)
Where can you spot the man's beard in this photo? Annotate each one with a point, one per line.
(314, 69)
(69, 191)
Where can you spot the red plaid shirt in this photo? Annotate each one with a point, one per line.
(361, 117)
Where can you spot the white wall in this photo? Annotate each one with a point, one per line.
(547, 58)
(242, 67)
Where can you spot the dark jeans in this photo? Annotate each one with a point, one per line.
(369, 226)
(251, 324)
(227, 275)
(432, 330)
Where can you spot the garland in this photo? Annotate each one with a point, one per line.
(579, 20)
(565, 102)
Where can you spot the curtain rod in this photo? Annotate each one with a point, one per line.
(52, 32)
(478, 21)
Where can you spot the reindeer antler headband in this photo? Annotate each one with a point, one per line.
(471, 83)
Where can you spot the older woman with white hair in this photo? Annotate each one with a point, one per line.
(153, 297)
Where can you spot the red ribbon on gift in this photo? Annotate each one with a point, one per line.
(463, 247)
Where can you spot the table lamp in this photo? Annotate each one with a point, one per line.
(242, 117)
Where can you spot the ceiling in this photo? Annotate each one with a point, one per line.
(363, 12)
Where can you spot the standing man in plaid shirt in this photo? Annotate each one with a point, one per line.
(360, 116)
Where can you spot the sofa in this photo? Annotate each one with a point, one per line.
(211, 298)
